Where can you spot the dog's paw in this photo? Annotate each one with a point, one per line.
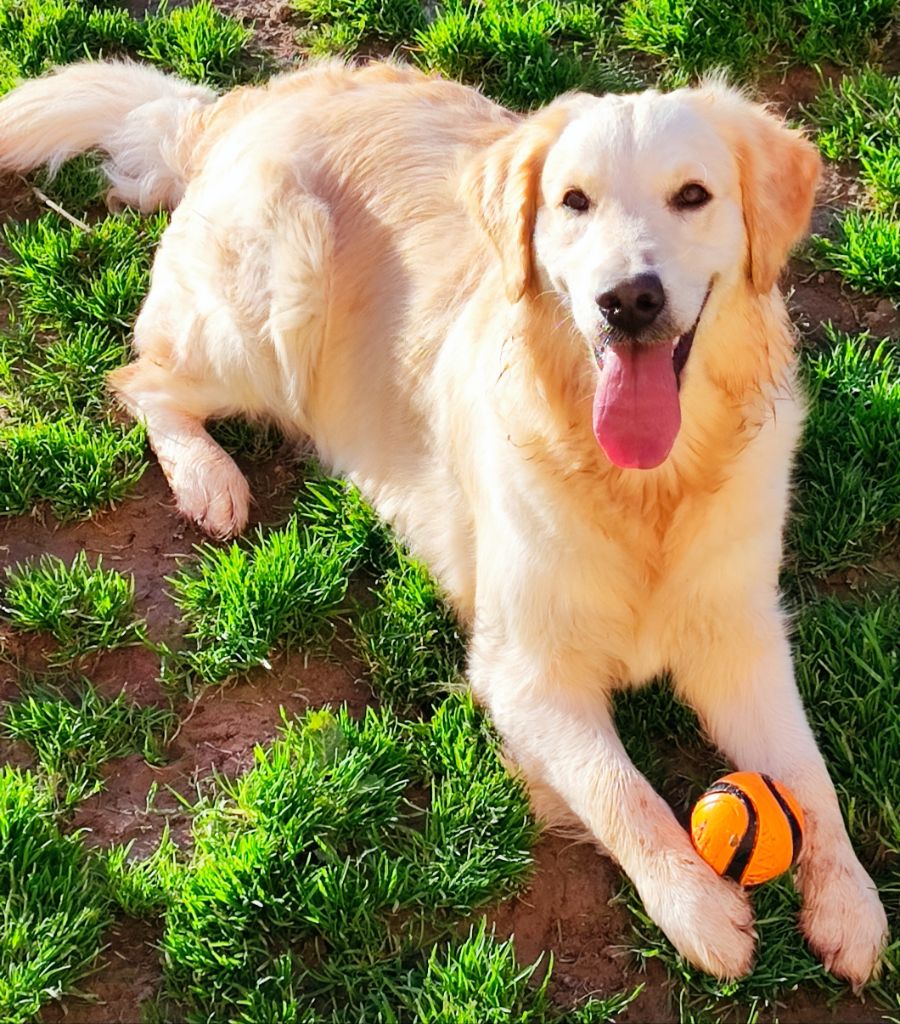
(842, 917)
(709, 920)
(213, 493)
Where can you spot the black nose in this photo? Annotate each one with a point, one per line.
(633, 304)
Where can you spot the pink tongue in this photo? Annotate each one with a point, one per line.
(636, 410)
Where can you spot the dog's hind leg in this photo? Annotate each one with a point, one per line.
(207, 484)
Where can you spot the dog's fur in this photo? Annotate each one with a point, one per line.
(380, 260)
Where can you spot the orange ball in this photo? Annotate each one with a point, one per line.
(747, 827)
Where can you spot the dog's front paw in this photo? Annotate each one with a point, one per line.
(709, 920)
(212, 492)
(842, 917)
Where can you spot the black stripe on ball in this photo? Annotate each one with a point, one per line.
(796, 831)
(741, 856)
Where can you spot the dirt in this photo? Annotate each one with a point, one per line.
(566, 912)
(274, 24)
(127, 975)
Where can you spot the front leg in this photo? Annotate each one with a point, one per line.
(739, 678)
(559, 729)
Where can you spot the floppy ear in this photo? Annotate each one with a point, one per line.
(779, 171)
(500, 187)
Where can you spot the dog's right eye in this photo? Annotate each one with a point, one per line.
(576, 200)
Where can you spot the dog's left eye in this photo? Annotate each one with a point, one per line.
(691, 196)
(576, 200)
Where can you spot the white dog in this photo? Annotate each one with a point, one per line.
(551, 352)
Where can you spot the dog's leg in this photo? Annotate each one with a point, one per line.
(208, 486)
(741, 683)
(569, 742)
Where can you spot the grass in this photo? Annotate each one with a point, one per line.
(82, 608)
(340, 26)
(859, 119)
(848, 474)
(198, 43)
(324, 860)
(75, 294)
(408, 640)
(240, 601)
(523, 54)
(341, 878)
(75, 735)
(54, 908)
(865, 252)
(691, 37)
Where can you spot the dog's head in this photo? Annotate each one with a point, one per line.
(635, 211)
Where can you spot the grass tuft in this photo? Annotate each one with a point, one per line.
(865, 252)
(409, 640)
(524, 54)
(340, 26)
(241, 601)
(54, 910)
(314, 877)
(74, 466)
(848, 472)
(82, 608)
(697, 36)
(74, 738)
(335, 514)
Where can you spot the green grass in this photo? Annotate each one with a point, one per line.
(691, 37)
(335, 515)
(865, 252)
(329, 865)
(73, 466)
(860, 120)
(83, 608)
(198, 43)
(860, 115)
(242, 601)
(408, 639)
(54, 909)
(848, 475)
(339, 26)
(74, 294)
(75, 735)
(525, 53)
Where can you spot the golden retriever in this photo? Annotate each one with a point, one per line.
(550, 350)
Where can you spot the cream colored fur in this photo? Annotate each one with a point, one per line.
(381, 261)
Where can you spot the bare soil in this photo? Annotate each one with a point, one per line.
(565, 910)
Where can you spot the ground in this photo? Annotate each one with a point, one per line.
(189, 836)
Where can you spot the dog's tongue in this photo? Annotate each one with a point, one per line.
(636, 409)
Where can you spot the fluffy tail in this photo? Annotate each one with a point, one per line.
(146, 122)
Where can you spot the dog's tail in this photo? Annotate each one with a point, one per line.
(146, 123)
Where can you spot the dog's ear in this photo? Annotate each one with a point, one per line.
(500, 187)
(779, 171)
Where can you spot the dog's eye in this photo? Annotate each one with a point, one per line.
(576, 200)
(691, 196)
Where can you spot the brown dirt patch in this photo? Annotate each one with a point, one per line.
(128, 974)
(218, 733)
(274, 26)
(144, 536)
(566, 911)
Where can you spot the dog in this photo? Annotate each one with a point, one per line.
(551, 351)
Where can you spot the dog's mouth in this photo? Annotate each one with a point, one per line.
(637, 413)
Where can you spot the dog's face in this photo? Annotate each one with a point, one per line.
(633, 210)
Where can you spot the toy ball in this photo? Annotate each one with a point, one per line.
(747, 827)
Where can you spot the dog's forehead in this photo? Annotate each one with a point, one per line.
(659, 132)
